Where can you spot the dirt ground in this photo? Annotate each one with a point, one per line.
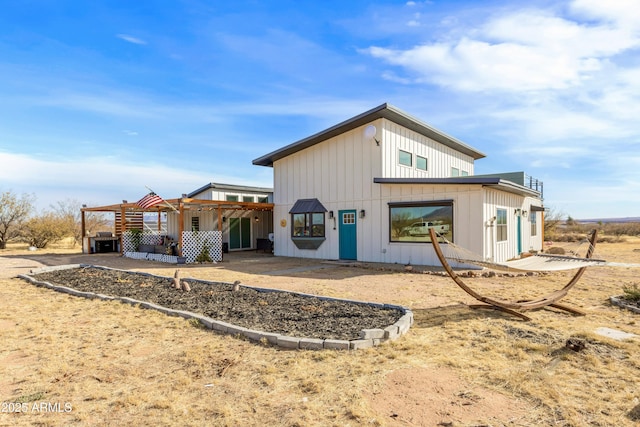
(454, 385)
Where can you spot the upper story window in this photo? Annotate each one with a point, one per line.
(248, 199)
(263, 199)
(501, 225)
(464, 173)
(455, 171)
(405, 158)
(421, 163)
(231, 198)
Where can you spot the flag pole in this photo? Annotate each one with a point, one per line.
(163, 200)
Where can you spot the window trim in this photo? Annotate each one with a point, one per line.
(426, 163)
(421, 204)
(400, 150)
(500, 227)
(533, 218)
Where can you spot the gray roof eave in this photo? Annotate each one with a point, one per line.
(386, 111)
(231, 187)
(492, 182)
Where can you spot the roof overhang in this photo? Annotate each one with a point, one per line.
(491, 182)
(186, 204)
(230, 187)
(385, 111)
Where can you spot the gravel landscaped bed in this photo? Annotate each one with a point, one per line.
(268, 310)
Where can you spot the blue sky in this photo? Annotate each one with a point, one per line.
(100, 99)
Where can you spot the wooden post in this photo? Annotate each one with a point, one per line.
(176, 280)
(180, 226)
(123, 227)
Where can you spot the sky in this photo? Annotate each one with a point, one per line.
(101, 99)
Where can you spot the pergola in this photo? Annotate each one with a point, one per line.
(180, 206)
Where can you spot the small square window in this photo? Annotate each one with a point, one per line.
(455, 171)
(464, 173)
(405, 158)
(248, 199)
(421, 163)
(231, 198)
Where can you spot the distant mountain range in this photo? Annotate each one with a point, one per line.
(609, 220)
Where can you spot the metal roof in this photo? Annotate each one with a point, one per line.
(307, 206)
(494, 182)
(231, 187)
(385, 111)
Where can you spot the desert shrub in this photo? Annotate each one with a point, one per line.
(631, 293)
(46, 228)
(204, 255)
(555, 250)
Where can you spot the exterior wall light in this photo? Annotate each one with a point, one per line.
(362, 213)
(256, 219)
(330, 214)
(370, 133)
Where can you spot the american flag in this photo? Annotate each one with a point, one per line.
(149, 200)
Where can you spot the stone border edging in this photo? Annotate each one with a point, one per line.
(368, 337)
(620, 302)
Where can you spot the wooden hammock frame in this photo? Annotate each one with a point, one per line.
(511, 307)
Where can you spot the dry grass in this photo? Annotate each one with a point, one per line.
(117, 364)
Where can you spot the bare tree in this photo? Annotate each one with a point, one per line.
(552, 219)
(14, 211)
(69, 211)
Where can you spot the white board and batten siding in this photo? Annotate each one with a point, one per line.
(440, 158)
(339, 172)
(508, 249)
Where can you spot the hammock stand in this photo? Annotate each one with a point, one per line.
(510, 307)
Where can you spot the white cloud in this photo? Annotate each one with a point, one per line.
(102, 180)
(527, 50)
(131, 39)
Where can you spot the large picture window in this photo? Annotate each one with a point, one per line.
(501, 225)
(410, 222)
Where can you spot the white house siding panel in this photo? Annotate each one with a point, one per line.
(221, 194)
(514, 204)
(440, 158)
(339, 173)
(467, 226)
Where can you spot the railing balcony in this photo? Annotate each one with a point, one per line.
(534, 184)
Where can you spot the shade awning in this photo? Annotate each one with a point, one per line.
(307, 206)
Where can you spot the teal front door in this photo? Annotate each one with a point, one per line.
(239, 233)
(348, 235)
